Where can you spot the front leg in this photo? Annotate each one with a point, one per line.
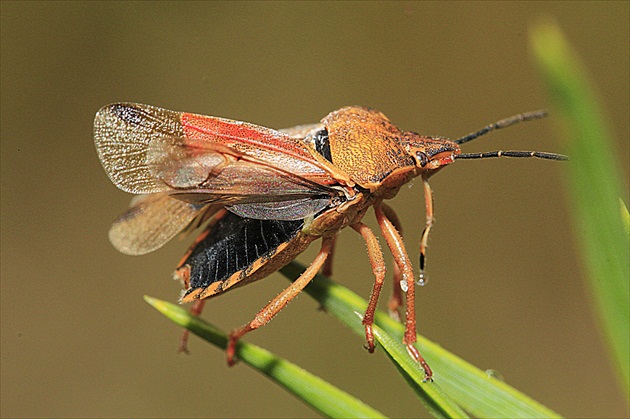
(428, 202)
(397, 247)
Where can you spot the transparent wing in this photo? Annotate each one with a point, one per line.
(151, 221)
(145, 149)
(193, 162)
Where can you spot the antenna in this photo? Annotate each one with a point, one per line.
(504, 123)
(501, 153)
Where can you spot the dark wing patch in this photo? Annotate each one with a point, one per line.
(231, 249)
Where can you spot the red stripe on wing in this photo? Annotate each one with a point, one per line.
(278, 149)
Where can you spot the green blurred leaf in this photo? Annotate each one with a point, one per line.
(317, 393)
(596, 185)
(471, 388)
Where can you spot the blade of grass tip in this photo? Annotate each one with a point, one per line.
(429, 392)
(183, 318)
(595, 184)
(312, 390)
(471, 388)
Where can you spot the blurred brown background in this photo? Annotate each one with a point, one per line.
(506, 290)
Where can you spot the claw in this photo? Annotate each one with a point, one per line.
(369, 337)
(413, 351)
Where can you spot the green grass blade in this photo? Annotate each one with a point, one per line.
(471, 388)
(595, 183)
(625, 216)
(317, 393)
(433, 397)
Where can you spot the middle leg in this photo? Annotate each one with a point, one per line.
(395, 302)
(378, 267)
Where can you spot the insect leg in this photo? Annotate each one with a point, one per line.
(395, 301)
(378, 267)
(428, 202)
(197, 306)
(195, 310)
(397, 247)
(327, 270)
(280, 301)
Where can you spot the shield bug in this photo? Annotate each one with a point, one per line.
(264, 195)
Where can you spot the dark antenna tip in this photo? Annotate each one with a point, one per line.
(504, 123)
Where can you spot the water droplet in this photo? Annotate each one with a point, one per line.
(403, 286)
(495, 374)
(423, 278)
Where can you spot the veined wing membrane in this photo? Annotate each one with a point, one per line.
(260, 192)
(123, 134)
(202, 159)
(297, 209)
(152, 220)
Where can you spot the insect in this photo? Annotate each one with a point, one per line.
(264, 195)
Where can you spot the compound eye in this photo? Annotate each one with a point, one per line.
(421, 158)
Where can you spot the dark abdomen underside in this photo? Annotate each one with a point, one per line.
(233, 248)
